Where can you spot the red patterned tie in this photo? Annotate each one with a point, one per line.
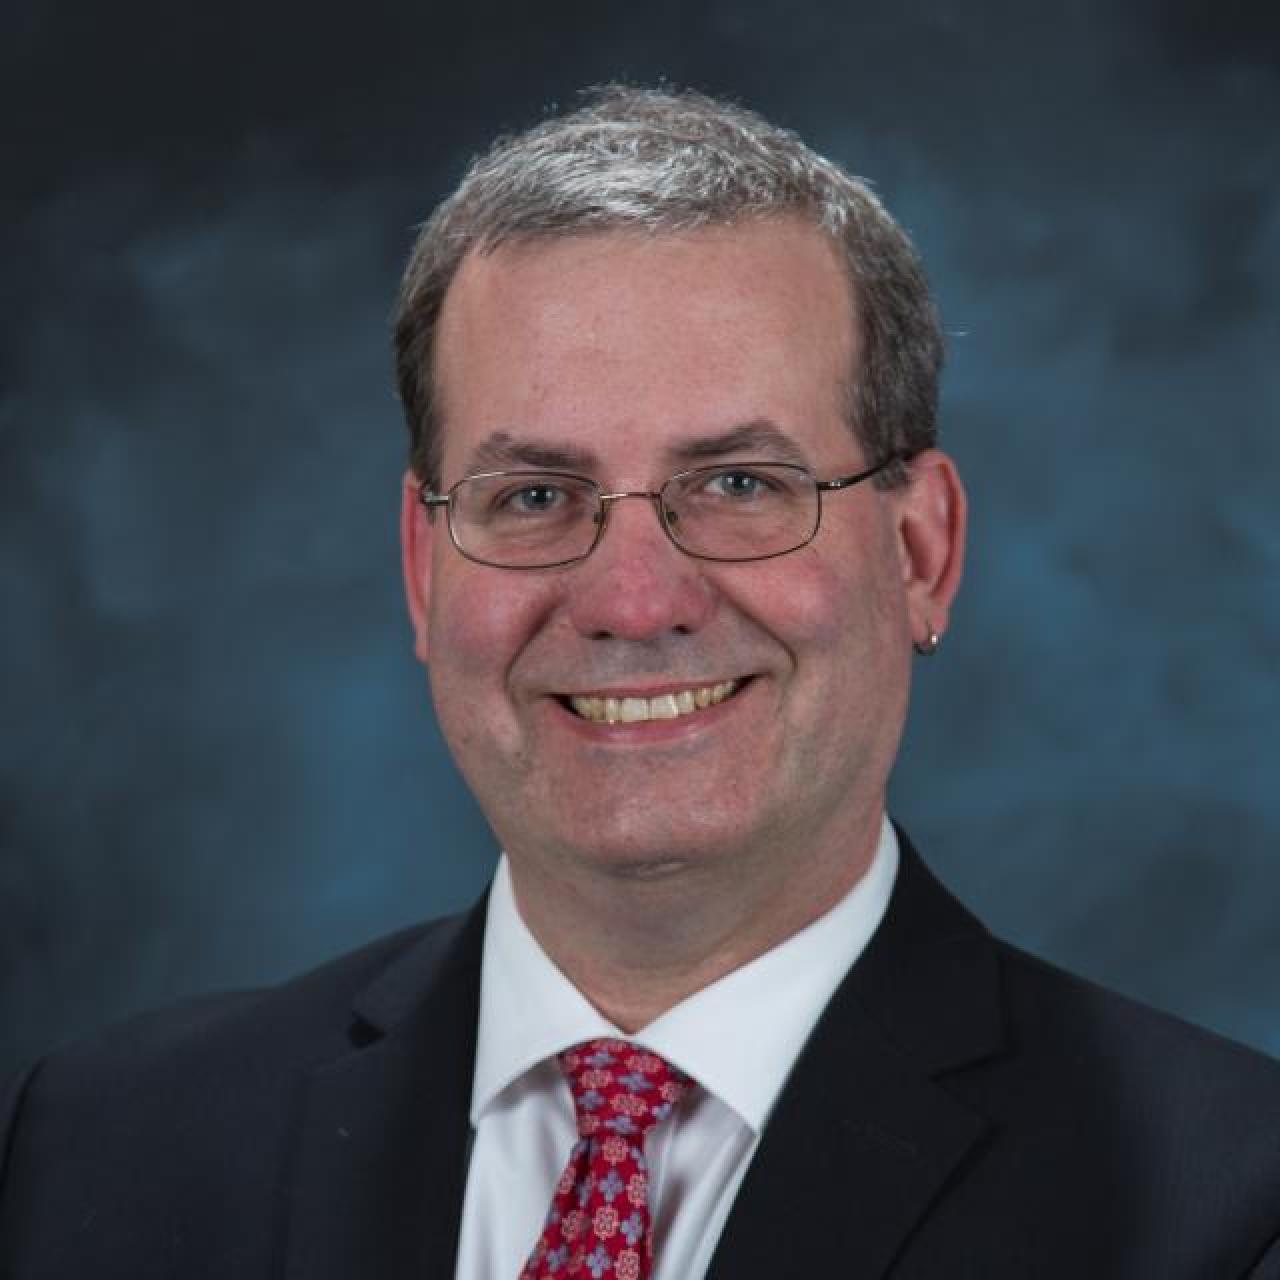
(599, 1225)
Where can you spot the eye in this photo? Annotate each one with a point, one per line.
(537, 499)
(738, 485)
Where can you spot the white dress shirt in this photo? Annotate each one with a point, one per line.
(738, 1038)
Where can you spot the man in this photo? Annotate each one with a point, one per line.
(674, 525)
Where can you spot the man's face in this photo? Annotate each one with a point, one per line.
(627, 358)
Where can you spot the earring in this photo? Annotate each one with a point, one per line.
(927, 647)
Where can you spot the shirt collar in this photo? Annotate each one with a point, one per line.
(738, 1037)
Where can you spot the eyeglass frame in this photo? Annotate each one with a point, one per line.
(431, 500)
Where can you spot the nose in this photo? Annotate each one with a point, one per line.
(636, 584)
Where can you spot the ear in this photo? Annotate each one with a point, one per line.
(417, 532)
(932, 519)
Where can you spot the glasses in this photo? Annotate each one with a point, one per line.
(544, 519)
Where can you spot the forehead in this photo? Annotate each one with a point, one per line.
(626, 340)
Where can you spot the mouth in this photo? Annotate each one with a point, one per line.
(607, 709)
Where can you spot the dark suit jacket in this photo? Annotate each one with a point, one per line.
(961, 1110)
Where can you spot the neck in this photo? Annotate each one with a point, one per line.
(637, 942)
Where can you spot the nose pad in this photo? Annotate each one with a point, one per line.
(667, 516)
(604, 517)
(617, 525)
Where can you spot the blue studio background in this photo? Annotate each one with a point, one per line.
(218, 763)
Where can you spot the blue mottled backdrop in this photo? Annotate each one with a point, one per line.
(218, 764)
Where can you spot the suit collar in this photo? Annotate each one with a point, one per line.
(930, 977)
(865, 1136)
(379, 1169)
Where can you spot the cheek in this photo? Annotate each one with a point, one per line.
(479, 622)
(813, 604)
(817, 607)
(843, 620)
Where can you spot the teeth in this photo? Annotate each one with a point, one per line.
(666, 706)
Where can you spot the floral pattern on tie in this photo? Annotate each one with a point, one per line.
(599, 1224)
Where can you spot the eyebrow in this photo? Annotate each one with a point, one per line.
(759, 437)
(501, 451)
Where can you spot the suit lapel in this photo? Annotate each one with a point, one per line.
(863, 1139)
(380, 1165)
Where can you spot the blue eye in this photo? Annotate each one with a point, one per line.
(533, 499)
(737, 485)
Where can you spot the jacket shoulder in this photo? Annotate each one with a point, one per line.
(225, 1055)
(1167, 1133)
(1118, 1140)
(309, 1014)
(152, 1134)
(1055, 1012)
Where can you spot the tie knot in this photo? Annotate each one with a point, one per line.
(620, 1088)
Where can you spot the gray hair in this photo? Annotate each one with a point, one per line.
(672, 162)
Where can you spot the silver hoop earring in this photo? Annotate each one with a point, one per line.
(927, 647)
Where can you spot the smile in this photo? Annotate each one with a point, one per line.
(666, 706)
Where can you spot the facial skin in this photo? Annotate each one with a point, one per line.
(650, 858)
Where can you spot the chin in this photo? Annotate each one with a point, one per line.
(652, 868)
(645, 854)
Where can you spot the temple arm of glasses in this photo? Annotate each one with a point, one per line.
(843, 482)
